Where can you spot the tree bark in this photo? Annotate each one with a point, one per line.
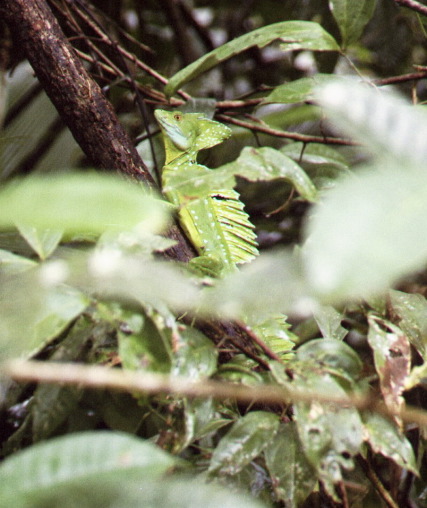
(77, 97)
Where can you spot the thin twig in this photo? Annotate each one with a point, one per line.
(271, 354)
(413, 5)
(403, 78)
(376, 482)
(126, 54)
(265, 129)
(90, 376)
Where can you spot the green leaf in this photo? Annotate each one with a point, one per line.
(246, 440)
(112, 273)
(42, 241)
(332, 354)
(392, 357)
(81, 203)
(186, 493)
(358, 244)
(11, 264)
(293, 477)
(329, 320)
(417, 376)
(253, 164)
(266, 164)
(315, 154)
(299, 90)
(352, 17)
(52, 403)
(195, 357)
(385, 438)
(240, 369)
(411, 310)
(147, 347)
(51, 466)
(31, 315)
(62, 304)
(141, 493)
(330, 435)
(323, 164)
(201, 418)
(292, 34)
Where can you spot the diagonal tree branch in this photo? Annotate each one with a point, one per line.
(77, 97)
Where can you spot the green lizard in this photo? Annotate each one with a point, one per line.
(215, 223)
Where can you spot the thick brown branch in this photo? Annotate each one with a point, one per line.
(77, 97)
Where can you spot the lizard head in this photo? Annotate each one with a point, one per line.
(190, 131)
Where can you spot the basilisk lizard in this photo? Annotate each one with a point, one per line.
(215, 222)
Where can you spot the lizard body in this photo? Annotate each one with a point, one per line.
(216, 224)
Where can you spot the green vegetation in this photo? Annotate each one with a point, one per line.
(130, 378)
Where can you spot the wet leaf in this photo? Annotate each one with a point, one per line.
(32, 314)
(195, 356)
(240, 369)
(333, 354)
(330, 435)
(266, 164)
(384, 437)
(147, 347)
(246, 439)
(315, 154)
(392, 357)
(411, 310)
(253, 164)
(293, 477)
(329, 322)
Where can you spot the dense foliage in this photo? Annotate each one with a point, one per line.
(131, 379)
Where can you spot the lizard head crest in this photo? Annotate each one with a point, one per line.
(190, 131)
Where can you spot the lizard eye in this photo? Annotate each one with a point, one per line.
(178, 117)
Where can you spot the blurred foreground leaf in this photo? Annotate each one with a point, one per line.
(49, 469)
(369, 231)
(42, 241)
(81, 203)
